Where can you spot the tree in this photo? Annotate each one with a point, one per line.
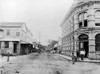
(51, 44)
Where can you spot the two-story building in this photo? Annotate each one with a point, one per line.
(81, 29)
(15, 38)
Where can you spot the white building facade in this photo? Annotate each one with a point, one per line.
(15, 38)
(81, 29)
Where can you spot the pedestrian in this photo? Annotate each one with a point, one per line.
(8, 55)
(82, 53)
(73, 58)
(78, 54)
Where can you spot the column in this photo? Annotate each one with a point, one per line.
(2, 47)
(91, 17)
(11, 47)
(92, 46)
(18, 48)
(76, 21)
(75, 44)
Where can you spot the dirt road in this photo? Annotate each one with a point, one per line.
(47, 63)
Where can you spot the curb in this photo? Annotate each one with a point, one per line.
(88, 60)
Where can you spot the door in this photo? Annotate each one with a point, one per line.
(15, 48)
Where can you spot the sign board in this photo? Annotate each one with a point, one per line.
(83, 37)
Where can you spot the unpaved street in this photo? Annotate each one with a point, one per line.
(46, 63)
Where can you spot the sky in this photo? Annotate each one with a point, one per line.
(42, 17)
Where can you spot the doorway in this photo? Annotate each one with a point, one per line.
(83, 43)
(97, 42)
(86, 47)
(15, 48)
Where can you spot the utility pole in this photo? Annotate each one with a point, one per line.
(39, 36)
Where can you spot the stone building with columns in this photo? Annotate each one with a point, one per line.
(81, 29)
(15, 38)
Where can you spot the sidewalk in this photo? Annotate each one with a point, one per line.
(85, 59)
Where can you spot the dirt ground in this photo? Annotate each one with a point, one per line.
(47, 63)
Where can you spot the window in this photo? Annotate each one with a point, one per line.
(97, 24)
(97, 14)
(85, 16)
(80, 20)
(1, 34)
(97, 42)
(80, 24)
(85, 23)
(8, 32)
(85, 19)
(6, 44)
(80, 17)
(17, 33)
(73, 22)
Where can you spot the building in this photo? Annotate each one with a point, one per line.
(59, 45)
(15, 38)
(81, 29)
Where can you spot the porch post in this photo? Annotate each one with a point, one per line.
(18, 48)
(2, 47)
(11, 47)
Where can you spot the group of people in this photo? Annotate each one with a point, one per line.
(80, 53)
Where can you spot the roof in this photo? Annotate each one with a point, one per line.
(11, 24)
(9, 39)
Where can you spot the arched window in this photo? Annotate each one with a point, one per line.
(97, 14)
(80, 17)
(85, 19)
(97, 17)
(80, 20)
(85, 16)
(97, 42)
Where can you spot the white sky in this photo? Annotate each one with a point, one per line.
(44, 16)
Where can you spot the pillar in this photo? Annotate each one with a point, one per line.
(76, 22)
(2, 47)
(18, 48)
(91, 17)
(11, 47)
(75, 44)
(92, 46)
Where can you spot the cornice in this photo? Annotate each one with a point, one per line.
(77, 6)
(82, 30)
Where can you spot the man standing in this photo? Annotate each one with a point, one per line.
(78, 54)
(73, 58)
(82, 53)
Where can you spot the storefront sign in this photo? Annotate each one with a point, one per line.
(83, 37)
